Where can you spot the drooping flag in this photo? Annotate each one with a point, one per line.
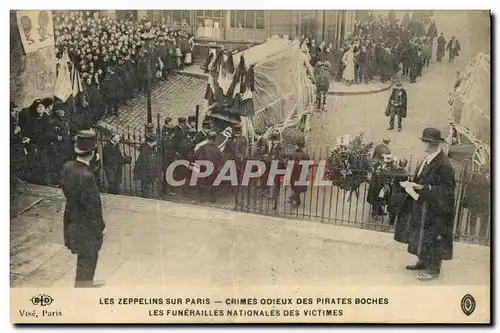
(77, 83)
(63, 85)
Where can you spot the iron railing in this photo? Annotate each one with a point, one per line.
(327, 204)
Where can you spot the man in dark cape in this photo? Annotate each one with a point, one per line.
(397, 105)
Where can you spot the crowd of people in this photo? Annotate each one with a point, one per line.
(40, 142)
(113, 56)
(381, 47)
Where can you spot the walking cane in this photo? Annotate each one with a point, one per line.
(421, 238)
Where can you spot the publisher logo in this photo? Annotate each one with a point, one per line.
(468, 304)
(42, 300)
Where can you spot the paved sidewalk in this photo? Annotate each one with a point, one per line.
(162, 243)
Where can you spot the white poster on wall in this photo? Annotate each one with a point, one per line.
(36, 29)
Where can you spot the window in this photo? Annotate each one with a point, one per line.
(247, 19)
(174, 19)
(209, 24)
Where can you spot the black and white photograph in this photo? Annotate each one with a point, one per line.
(250, 166)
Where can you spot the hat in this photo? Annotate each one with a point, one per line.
(150, 137)
(431, 134)
(386, 140)
(86, 142)
(191, 119)
(181, 119)
(206, 123)
(168, 120)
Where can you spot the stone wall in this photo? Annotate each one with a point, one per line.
(32, 75)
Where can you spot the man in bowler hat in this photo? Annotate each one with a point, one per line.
(430, 223)
(84, 227)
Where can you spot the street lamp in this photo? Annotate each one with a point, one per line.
(148, 36)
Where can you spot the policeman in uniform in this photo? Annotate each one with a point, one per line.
(397, 105)
(83, 224)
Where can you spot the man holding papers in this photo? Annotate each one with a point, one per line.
(430, 206)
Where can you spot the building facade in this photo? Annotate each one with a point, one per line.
(251, 26)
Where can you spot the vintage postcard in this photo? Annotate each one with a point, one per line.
(250, 166)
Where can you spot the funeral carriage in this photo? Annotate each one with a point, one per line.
(469, 130)
(265, 89)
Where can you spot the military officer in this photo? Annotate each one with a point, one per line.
(397, 106)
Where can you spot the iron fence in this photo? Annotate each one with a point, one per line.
(326, 204)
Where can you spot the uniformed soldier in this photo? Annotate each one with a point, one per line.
(397, 105)
(83, 225)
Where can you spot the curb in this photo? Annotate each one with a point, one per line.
(195, 75)
(355, 93)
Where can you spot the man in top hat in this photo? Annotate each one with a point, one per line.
(397, 106)
(83, 223)
(113, 162)
(147, 167)
(430, 235)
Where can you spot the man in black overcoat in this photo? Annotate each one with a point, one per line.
(397, 106)
(113, 162)
(430, 220)
(83, 223)
(147, 166)
(209, 152)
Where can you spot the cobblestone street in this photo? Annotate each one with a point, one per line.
(174, 98)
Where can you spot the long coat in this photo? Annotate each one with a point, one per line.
(393, 104)
(83, 222)
(113, 162)
(441, 41)
(146, 166)
(435, 209)
(348, 61)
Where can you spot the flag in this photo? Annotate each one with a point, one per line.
(63, 87)
(77, 83)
